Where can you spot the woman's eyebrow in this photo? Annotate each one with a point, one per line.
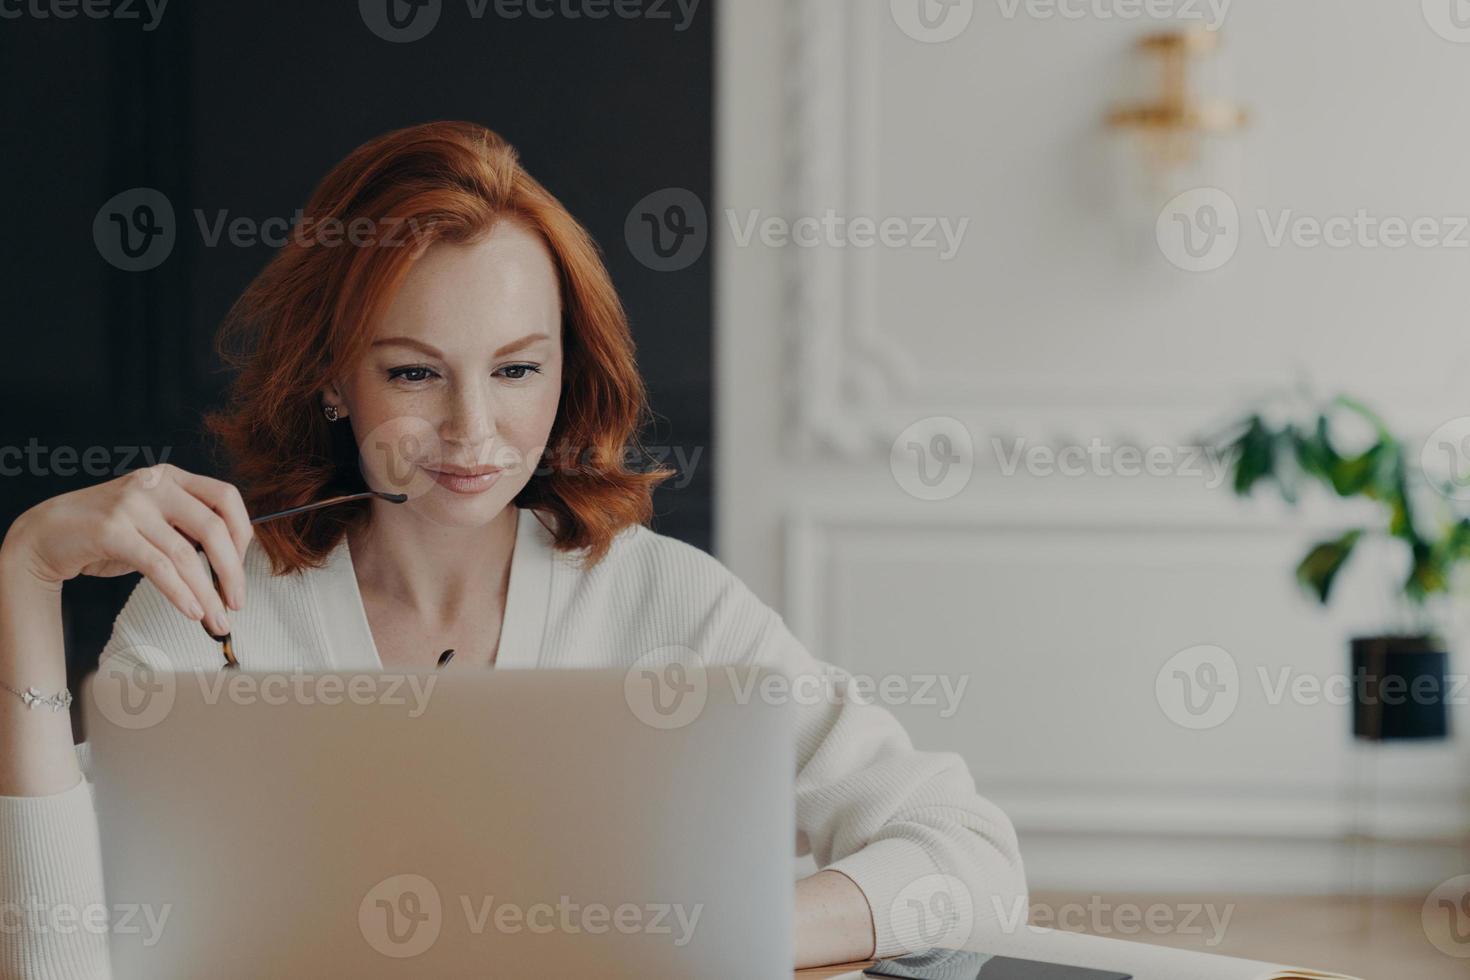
(525, 341)
(432, 351)
(409, 342)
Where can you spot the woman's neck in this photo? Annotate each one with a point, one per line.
(433, 570)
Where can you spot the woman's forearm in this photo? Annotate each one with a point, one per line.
(833, 922)
(38, 757)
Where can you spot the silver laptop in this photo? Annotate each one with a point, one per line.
(518, 823)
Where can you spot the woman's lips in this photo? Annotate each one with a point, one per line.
(464, 483)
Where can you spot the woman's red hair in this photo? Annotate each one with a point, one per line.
(307, 318)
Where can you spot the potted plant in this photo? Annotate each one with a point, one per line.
(1399, 677)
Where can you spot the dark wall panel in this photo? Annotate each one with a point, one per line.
(239, 108)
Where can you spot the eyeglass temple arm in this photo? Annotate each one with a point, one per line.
(225, 641)
(392, 498)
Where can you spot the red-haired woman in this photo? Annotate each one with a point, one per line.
(440, 327)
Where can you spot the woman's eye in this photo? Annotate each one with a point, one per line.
(412, 373)
(523, 368)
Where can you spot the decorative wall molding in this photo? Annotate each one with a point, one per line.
(1231, 821)
(811, 532)
(830, 401)
(1198, 866)
(855, 383)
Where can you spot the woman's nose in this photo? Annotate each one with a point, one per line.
(471, 417)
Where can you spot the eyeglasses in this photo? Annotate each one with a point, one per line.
(231, 663)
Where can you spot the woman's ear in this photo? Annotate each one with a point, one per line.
(332, 402)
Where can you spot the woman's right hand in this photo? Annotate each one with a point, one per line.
(145, 521)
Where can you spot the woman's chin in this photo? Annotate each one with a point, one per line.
(464, 510)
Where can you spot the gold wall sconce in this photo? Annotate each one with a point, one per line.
(1178, 121)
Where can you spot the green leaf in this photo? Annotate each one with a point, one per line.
(1319, 569)
(1428, 574)
(1401, 509)
(1314, 452)
(1456, 542)
(1254, 454)
(1380, 473)
(1372, 474)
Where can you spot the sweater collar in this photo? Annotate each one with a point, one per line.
(344, 621)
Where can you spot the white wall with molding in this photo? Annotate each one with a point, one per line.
(1057, 322)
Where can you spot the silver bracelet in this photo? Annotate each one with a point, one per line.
(34, 698)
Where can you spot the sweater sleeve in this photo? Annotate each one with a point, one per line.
(50, 885)
(937, 862)
(51, 889)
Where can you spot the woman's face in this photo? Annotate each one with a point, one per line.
(455, 400)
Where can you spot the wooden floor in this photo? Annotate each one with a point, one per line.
(1372, 939)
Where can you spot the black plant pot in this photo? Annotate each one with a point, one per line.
(1401, 688)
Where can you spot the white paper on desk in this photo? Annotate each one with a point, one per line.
(1143, 961)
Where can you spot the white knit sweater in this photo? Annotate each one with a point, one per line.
(867, 803)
